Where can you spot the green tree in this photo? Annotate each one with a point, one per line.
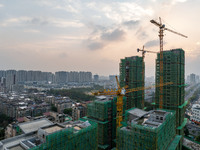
(2, 134)
(78, 94)
(197, 138)
(68, 111)
(4, 121)
(148, 106)
(53, 108)
(186, 131)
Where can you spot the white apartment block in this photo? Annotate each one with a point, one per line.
(196, 113)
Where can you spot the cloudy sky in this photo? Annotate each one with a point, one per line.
(93, 35)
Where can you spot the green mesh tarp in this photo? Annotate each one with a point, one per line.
(69, 139)
(174, 144)
(173, 95)
(106, 120)
(131, 69)
(137, 136)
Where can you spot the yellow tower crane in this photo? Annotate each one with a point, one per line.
(162, 28)
(120, 93)
(143, 56)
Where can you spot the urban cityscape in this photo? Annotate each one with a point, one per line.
(72, 77)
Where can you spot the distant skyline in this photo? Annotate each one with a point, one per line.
(91, 35)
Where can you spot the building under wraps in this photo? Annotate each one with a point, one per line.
(173, 95)
(103, 112)
(78, 135)
(131, 69)
(153, 130)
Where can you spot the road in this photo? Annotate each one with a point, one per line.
(191, 93)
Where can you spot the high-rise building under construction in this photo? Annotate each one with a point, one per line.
(132, 75)
(173, 95)
(153, 130)
(103, 112)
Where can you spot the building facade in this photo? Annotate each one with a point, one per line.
(173, 95)
(195, 113)
(131, 75)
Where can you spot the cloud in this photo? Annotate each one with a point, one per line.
(181, 1)
(141, 33)
(152, 43)
(23, 20)
(131, 23)
(62, 55)
(31, 31)
(13, 21)
(101, 37)
(173, 2)
(75, 38)
(38, 21)
(124, 11)
(96, 45)
(114, 35)
(57, 22)
(68, 8)
(1, 5)
(63, 23)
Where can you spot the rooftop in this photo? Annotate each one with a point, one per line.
(190, 144)
(196, 106)
(77, 125)
(53, 128)
(13, 143)
(137, 112)
(17, 147)
(32, 126)
(152, 118)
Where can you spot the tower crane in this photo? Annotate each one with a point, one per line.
(120, 93)
(145, 51)
(162, 28)
(143, 56)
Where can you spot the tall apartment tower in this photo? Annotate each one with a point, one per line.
(192, 78)
(173, 95)
(131, 69)
(61, 77)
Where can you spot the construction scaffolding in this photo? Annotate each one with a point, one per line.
(135, 136)
(103, 112)
(131, 70)
(173, 95)
(71, 139)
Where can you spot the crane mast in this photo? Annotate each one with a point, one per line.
(143, 70)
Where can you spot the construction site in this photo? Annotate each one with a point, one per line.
(131, 69)
(103, 112)
(148, 130)
(117, 118)
(161, 128)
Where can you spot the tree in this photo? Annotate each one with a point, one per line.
(2, 134)
(68, 111)
(78, 94)
(53, 108)
(186, 131)
(148, 106)
(197, 138)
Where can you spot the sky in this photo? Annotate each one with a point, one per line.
(93, 35)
